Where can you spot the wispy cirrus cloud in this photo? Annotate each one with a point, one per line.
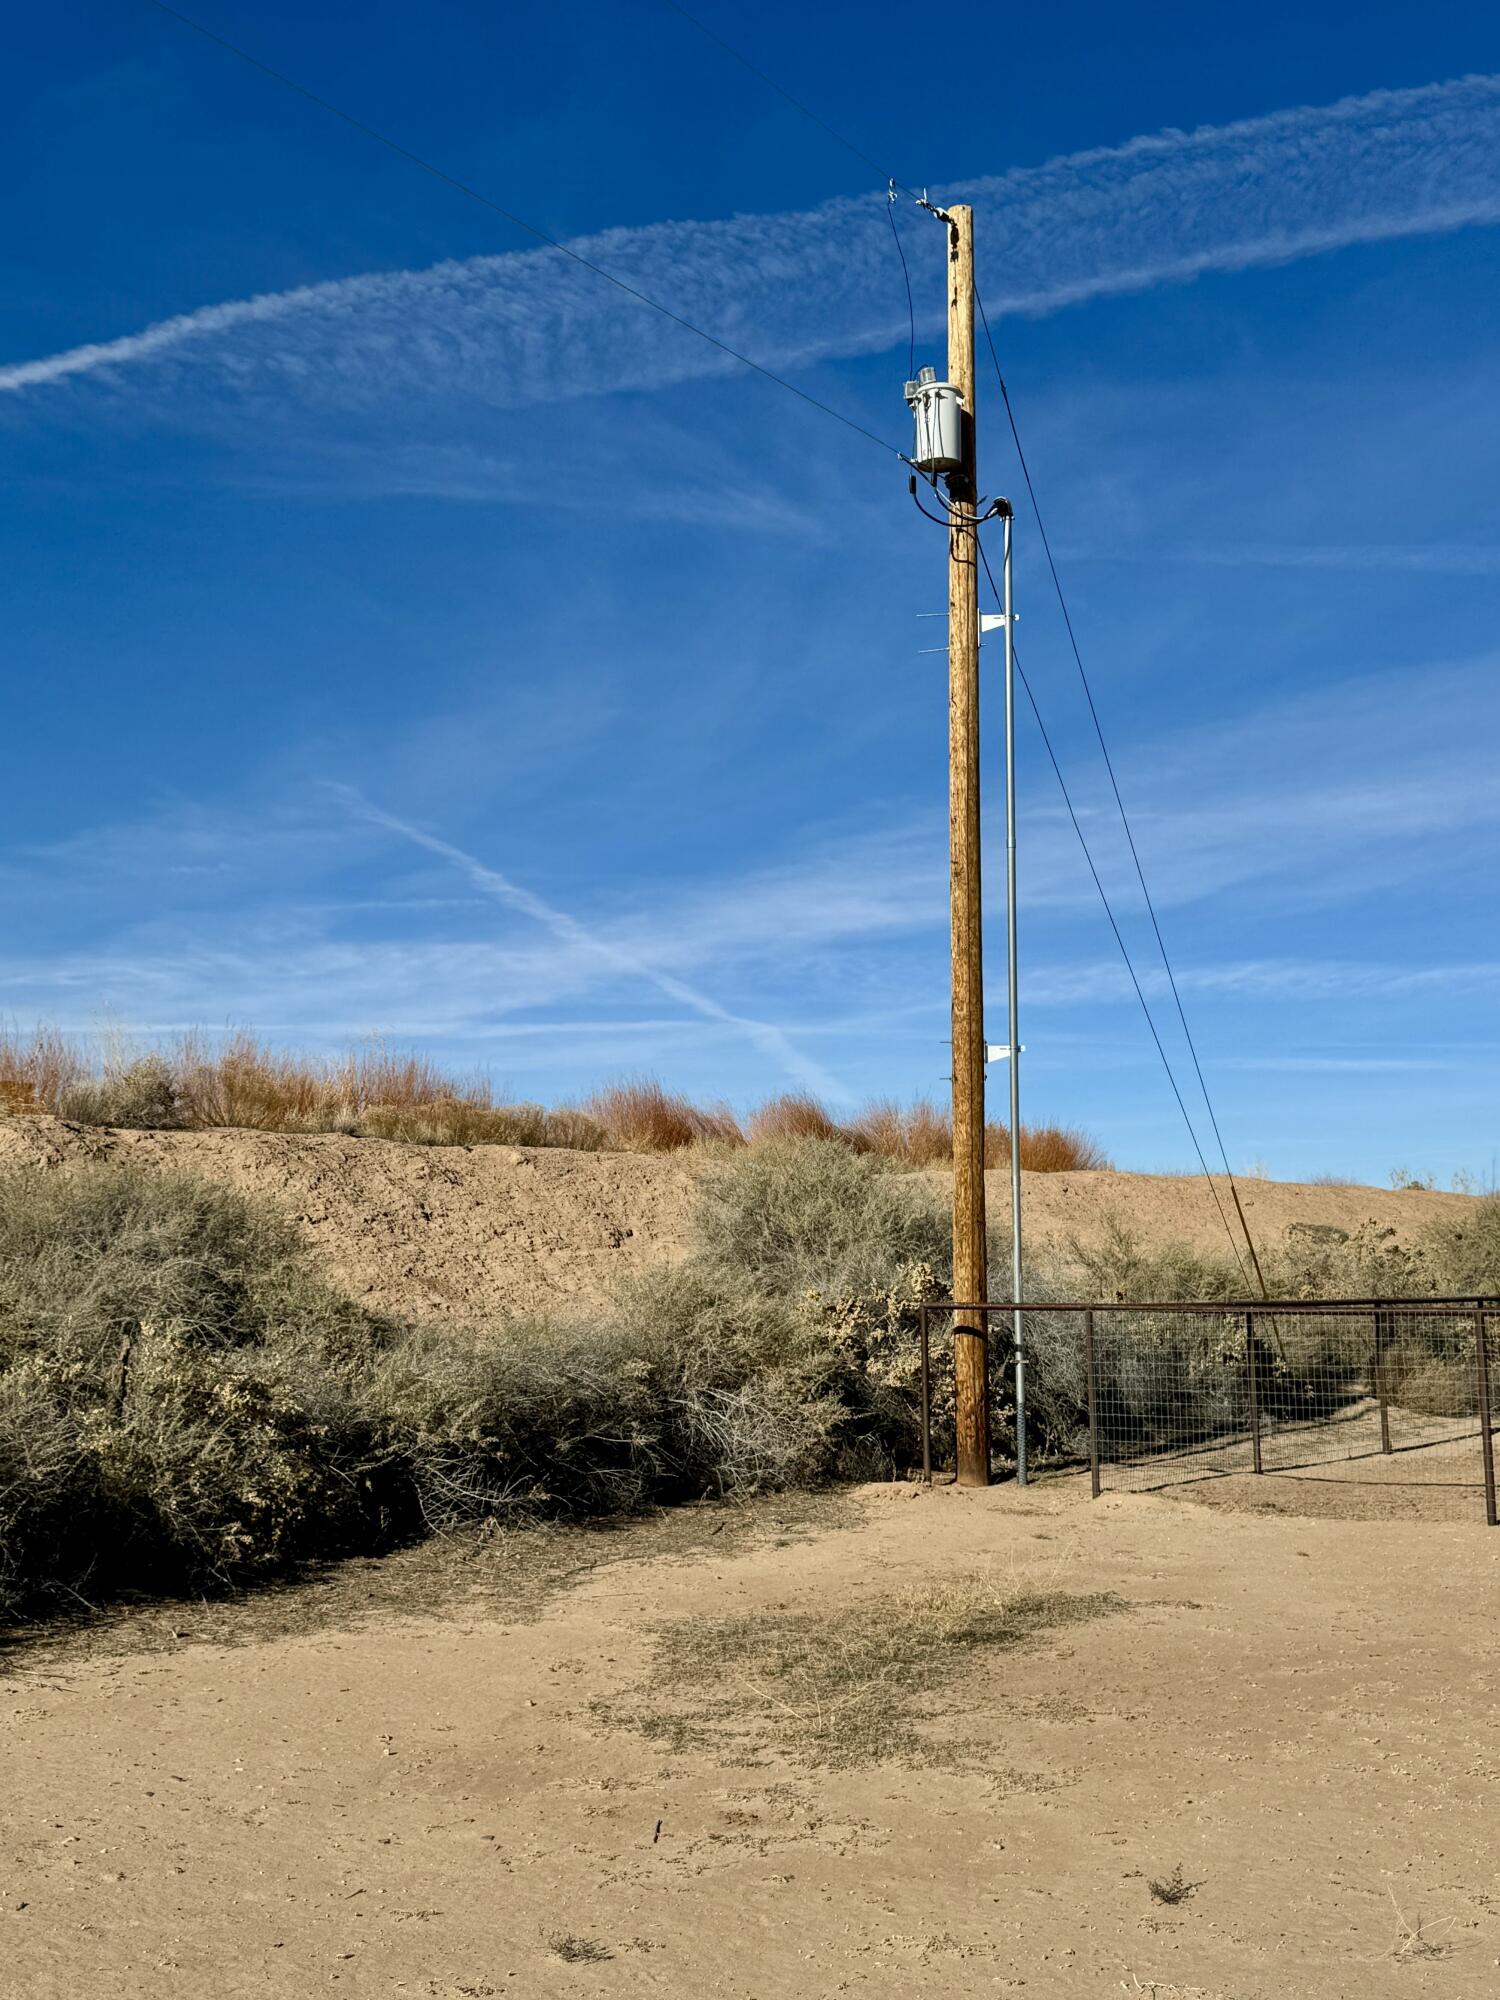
(1106, 980)
(588, 943)
(1379, 558)
(528, 327)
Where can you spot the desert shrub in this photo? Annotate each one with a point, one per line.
(793, 1325)
(184, 1404)
(86, 1256)
(1462, 1256)
(148, 1433)
(142, 1094)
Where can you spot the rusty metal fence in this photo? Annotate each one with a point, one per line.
(1403, 1393)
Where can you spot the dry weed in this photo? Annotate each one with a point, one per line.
(1411, 1941)
(841, 1687)
(374, 1091)
(639, 1116)
(579, 1950)
(797, 1115)
(1172, 1889)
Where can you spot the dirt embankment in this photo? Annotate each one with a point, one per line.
(465, 1232)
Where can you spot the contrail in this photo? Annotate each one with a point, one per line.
(529, 326)
(763, 1035)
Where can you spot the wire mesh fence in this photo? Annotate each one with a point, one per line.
(1395, 1392)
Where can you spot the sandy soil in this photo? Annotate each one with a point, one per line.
(468, 1231)
(1297, 1714)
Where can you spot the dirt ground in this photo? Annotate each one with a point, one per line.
(464, 1771)
(464, 1232)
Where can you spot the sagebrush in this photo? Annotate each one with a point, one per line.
(186, 1404)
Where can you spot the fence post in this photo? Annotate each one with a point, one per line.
(1254, 1388)
(926, 1397)
(1088, 1362)
(1382, 1328)
(1486, 1436)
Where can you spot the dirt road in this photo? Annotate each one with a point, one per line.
(1287, 1724)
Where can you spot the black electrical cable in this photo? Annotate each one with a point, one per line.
(1140, 873)
(1113, 923)
(859, 154)
(759, 368)
(551, 242)
(911, 311)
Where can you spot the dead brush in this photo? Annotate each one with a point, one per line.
(797, 1115)
(920, 1134)
(1171, 1889)
(1411, 1940)
(843, 1687)
(575, 1950)
(917, 1134)
(37, 1071)
(639, 1116)
(239, 1082)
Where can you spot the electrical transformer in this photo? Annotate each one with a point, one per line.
(938, 410)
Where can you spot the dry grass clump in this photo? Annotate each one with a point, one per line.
(37, 1069)
(1048, 1149)
(850, 1685)
(920, 1134)
(917, 1134)
(377, 1092)
(797, 1115)
(240, 1082)
(639, 1116)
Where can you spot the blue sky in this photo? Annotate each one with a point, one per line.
(408, 634)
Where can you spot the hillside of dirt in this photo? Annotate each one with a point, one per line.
(464, 1232)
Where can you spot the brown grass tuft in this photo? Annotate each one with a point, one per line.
(36, 1071)
(638, 1116)
(921, 1135)
(373, 1091)
(918, 1134)
(1050, 1149)
(798, 1115)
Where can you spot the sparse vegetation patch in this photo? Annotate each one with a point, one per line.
(840, 1687)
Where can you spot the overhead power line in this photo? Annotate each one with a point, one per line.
(474, 194)
(1109, 765)
(1114, 923)
(859, 153)
(519, 221)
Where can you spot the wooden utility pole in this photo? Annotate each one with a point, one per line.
(971, 1356)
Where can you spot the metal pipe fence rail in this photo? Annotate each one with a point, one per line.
(1402, 1393)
